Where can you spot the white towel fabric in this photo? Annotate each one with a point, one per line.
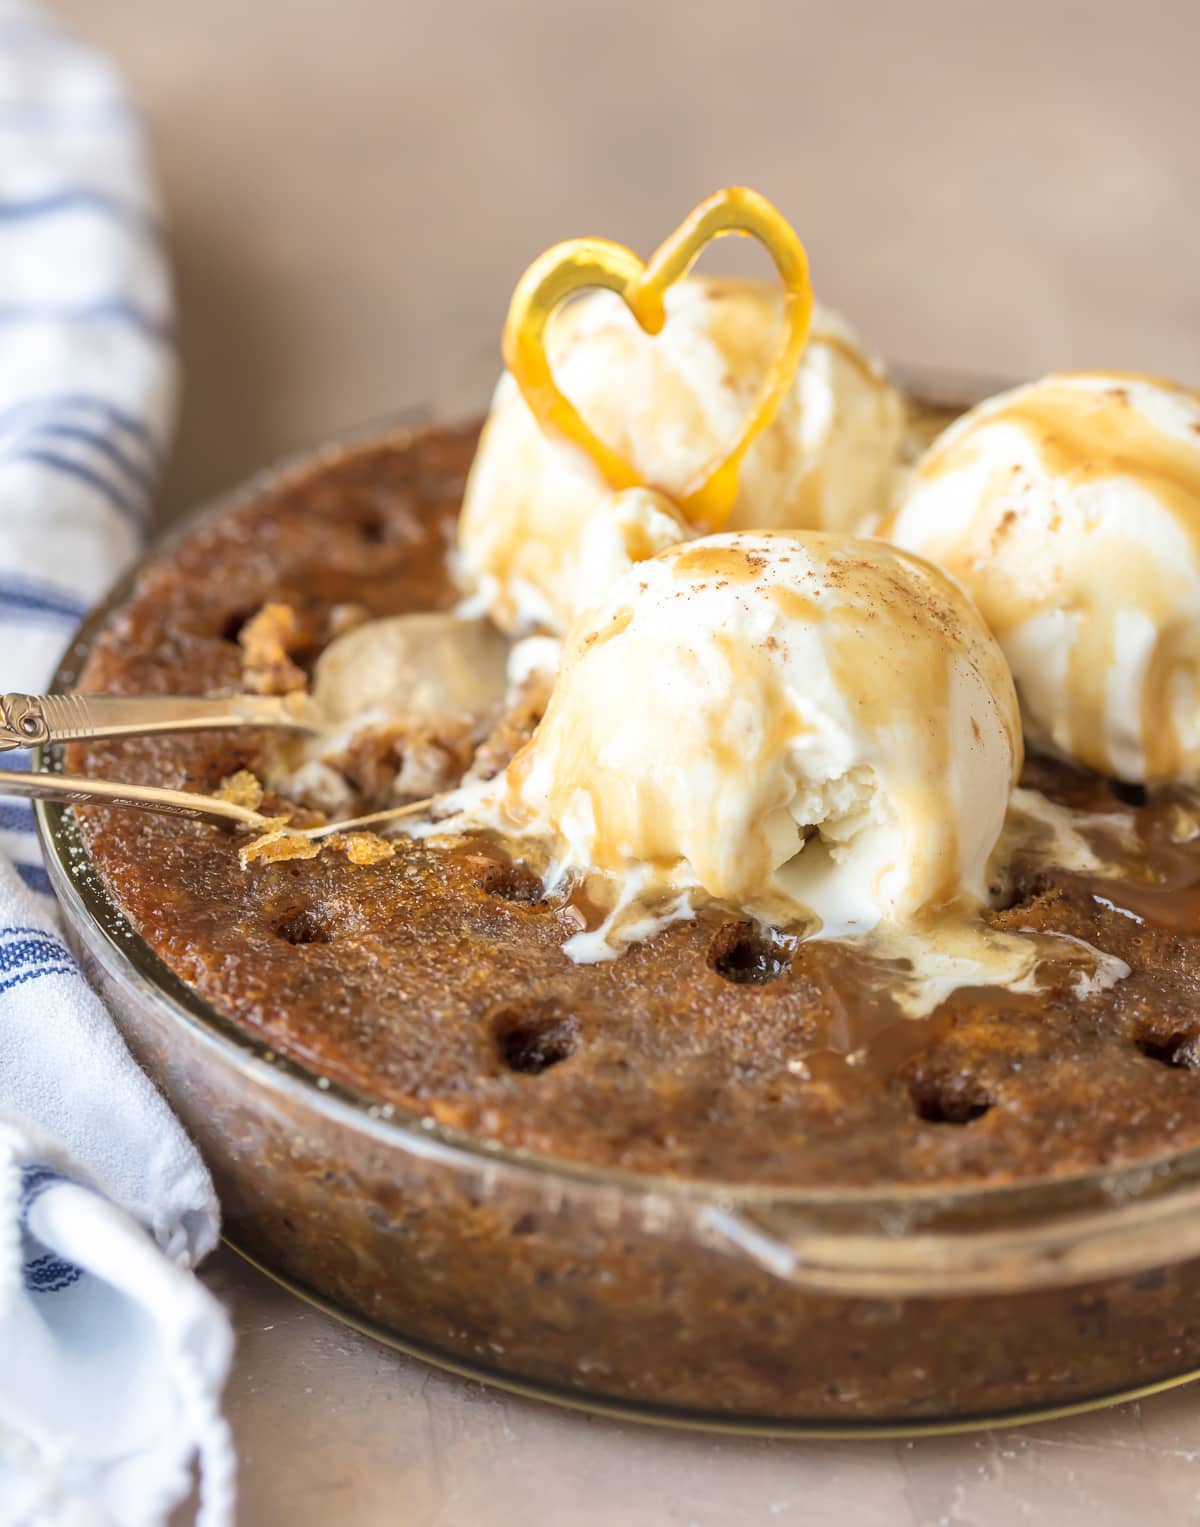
(112, 1355)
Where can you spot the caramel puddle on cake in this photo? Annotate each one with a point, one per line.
(892, 974)
(1156, 881)
(1140, 861)
(918, 965)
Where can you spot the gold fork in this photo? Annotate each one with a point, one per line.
(74, 789)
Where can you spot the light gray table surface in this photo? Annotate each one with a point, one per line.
(352, 186)
(334, 1428)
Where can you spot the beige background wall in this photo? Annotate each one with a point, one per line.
(353, 185)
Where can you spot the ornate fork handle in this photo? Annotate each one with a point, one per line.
(22, 722)
(26, 721)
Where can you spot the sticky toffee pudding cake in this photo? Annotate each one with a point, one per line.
(723, 1046)
(735, 878)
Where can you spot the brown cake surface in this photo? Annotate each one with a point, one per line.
(435, 979)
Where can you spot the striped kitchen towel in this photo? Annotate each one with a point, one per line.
(112, 1354)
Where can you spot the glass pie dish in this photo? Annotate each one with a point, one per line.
(674, 1299)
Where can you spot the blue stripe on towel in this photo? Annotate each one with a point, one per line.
(15, 816)
(140, 476)
(129, 506)
(35, 1180)
(105, 309)
(41, 946)
(50, 1274)
(57, 403)
(31, 949)
(31, 596)
(75, 199)
(34, 973)
(37, 880)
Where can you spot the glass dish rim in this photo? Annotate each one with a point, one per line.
(1106, 1205)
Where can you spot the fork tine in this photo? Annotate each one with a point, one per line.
(73, 789)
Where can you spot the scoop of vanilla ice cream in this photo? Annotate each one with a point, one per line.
(1070, 510)
(805, 726)
(669, 403)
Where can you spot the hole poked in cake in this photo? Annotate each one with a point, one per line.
(530, 1040)
(235, 622)
(1179, 1049)
(301, 925)
(1129, 794)
(514, 883)
(948, 1100)
(1019, 887)
(750, 955)
(373, 527)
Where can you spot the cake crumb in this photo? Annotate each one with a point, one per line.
(407, 757)
(241, 789)
(524, 709)
(364, 847)
(267, 641)
(278, 844)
